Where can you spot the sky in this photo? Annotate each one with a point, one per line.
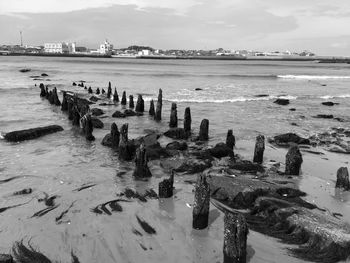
(321, 26)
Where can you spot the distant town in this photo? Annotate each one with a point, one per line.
(106, 49)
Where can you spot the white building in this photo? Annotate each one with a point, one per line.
(61, 48)
(106, 48)
(144, 52)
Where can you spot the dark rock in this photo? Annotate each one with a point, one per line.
(97, 123)
(173, 116)
(94, 99)
(198, 89)
(221, 150)
(230, 139)
(187, 120)
(140, 104)
(292, 109)
(130, 113)
(294, 160)
(151, 108)
(281, 102)
(141, 162)
(158, 113)
(262, 95)
(44, 75)
(259, 149)
(247, 166)
(131, 102)
(329, 103)
(178, 146)
(74, 84)
(193, 165)
(324, 116)
(288, 138)
(204, 130)
(97, 112)
(201, 205)
(343, 179)
(24, 70)
(118, 114)
(177, 133)
(33, 133)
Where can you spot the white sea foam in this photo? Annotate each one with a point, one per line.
(311, 77)
(327, 97)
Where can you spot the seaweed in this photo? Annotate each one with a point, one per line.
(145, 226)
(136, 232)
(24, 191)
(44, 211)
(9, 179)
(129, 193)
(23, 254)
(113, 205)
(83, 187)
(58, 219)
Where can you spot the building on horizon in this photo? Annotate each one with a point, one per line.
(60, 48)
(106, 48)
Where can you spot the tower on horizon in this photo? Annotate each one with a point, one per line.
(20, 32)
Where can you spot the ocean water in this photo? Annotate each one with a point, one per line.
(234, 95)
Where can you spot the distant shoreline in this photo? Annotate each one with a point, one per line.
(319, 59)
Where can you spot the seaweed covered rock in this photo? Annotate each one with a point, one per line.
(29, 134)
(177, 133)
(97, 123)
(178, 146)
(221, 150)
(112, 139)
(286, 139)
(97, 112)
(282, 102)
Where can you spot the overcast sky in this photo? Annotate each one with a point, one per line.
(321, 26)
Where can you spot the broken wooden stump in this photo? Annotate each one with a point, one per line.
(115, 95)
(29, 134)
(98, 91)
(187, 120)
(173, 116)
(42, 90)
(204, 130)
(6, 258)
(125, 151)
(123, 102)
(165, 187)
(140, 104)
(235, 238)
(201, 203)
(76, 116)
(141, 160)
(131, 102)
(259, 149)
(109, 91)
(64, 106)
(112, 139)
(158, 114)
(103, 91)
(230, 139)
(294, 160)
(343, 179)
(56, 100)
(87, 126)
(90, 90)
(151, 108)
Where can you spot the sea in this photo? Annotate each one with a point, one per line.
(237, 95)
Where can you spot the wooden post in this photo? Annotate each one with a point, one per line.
(56, 100)
(103, 91)
(343, 179)
(259, 149)
(294, 160)
(64, 106)
(109, 91)
(141, 160)
(124, 98)
(98, 91)
(115, 95)
(42, 90)
(173, 116)
(76, 116)
(230, 139)
(131, 102)
(115, 135)
(6, 258)
(125, 152)
(204, 130)
(140, 104)
(165, 187)
(151, 108)
(90, 90)
(158, 114)
(187, 120)
(201, 203)
(70, 109)
(235, 238)
(88, 127)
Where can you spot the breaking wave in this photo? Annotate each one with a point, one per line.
(326, 97)
(311, 77)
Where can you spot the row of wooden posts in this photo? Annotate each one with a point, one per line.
(235, 226)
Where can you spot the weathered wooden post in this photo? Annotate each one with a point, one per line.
(230, 139)
(201, 203)
(90, 90)
(42, 90)
(141, 160)
(46, 92)
(173, 116)
(56, 100)
(103, 91)
(140, 104)
(204, 130)
(187, 120)
(51, 98)
(259, 149)
(165, 187)
(88, 127)
(123, 102)
(64, 106)
(6, 258)
(158, 114)
(115, 95)
(98, 91)
(294, 160)
(343, 179)
(151, 108)
(131, 102)
(70, 109)
(235, 238)
(109, 91)
(76, 116)
(125, 152)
